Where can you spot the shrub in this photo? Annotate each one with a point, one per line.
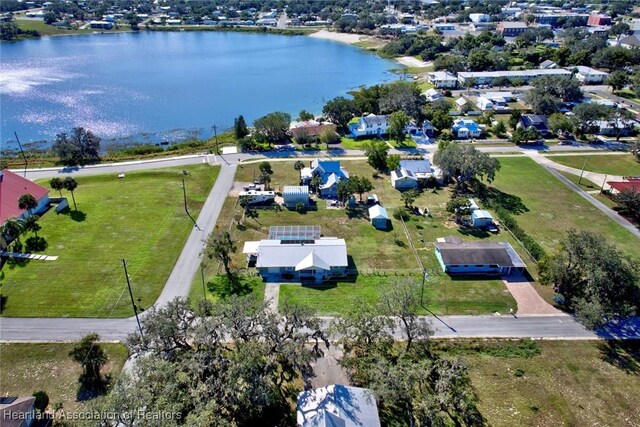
(401, 213)
(42, 400)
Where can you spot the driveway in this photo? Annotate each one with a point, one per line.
(530, 303)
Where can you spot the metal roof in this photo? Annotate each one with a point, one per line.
(377, 211)
(274, 253)
(479, 213)
(291, 190)
(416, 166)
(294, 232)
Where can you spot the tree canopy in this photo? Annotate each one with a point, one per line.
(376, 152)
(340, 111)
(273, 127)
(466, 163)
(81, 147)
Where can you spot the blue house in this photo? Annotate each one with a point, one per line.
(457, 257)
(371, 125)
(330, 173)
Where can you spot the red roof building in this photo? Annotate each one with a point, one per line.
(598, 20)
(12, 186)
(618, 186)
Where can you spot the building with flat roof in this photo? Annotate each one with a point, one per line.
(588, 75)
(487, 77)
(442, 79)
(457, 257)
(511, 29)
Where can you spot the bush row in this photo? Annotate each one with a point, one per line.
(527, 241)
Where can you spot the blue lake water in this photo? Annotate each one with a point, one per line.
(163, 83)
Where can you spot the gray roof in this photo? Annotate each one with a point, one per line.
(276, 253)
(290, 190)
(402, 173)
(475, 253)
(337, 405)
(416, 166)
(378, 212)
(374, 120)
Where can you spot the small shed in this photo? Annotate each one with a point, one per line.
(379, 217)
(481, 218)
(294, 194)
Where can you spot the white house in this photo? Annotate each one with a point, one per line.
(442, 79)
(371, 125)
(433, 95)
(466, 128)
(461, 104)
(481, 218)
(588, 75)
(402, 179)
(484, 104)
(479, 17)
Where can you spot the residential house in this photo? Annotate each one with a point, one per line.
(615, 127)
(511, 29)
(297, 259)
(598, 20)
(428, 129)
(499, 97)
(379, 217)
(337, 405)
(433, 95)
(481, 218)
(103, 25)
(457, 257)
(421, 169)
(330, 173)
(484, 104)
(602, 32)
(371, 125)
(588, 75)
(616, 187)
(294, 194)
(461, 104)
(311, 128)
(402, 179)
(442, 79)
(466, 128)
(537, 122)
(479, 17)
(12, 186)
(487, 77)
(548, 64)
(20, 412)
(631, 42)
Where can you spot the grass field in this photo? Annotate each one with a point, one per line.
(140, 218)
(355, 144)
(441, 295)
(570, 383)
(27, 368)
(214, 290)
(624, 164)
(549, 208)
(49, 30)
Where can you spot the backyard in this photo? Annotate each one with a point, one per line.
(571, 383)
(27, 368)
(546, 209)
(622, 164)
(140, 218)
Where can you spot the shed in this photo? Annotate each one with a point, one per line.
(481, 218)
(379, 217)
(294, 194)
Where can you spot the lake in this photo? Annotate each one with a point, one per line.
(164, 85)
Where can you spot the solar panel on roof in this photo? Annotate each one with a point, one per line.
(6, 400)
(294, 232)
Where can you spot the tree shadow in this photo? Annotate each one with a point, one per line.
(357, 212)
(225, 286)
(91, 389)
(475, 232)
(36, 244)
(623, 354)
(75, 215)
(510, 202)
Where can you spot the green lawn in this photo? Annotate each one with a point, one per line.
(214, 287)
(27, 368)
(623, 164)
(442, 295)
(570, 383)
(550, 208)
(628, 94)
(49, 30)
(355, 144)
(424, 86)
(140, 218)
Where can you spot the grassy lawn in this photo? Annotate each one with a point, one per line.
(27, 368)
(628, 94)
(549, 208)
(424, 86)
(570, 383)
(49, 30)
(355, 144)
(140, 218)
(407, 143)
(441, 296)
(214, 287)
(623, 164)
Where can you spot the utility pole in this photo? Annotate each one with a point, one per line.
(425, 275)
(26, 163)
(215, 135)
(582, 171)
(135, 308)
(603, 183)
(204, 291)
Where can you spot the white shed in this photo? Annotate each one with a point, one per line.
(379, 217)
(294, 194)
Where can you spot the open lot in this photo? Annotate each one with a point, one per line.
(570, 383)
(624, 164)
(140, 218)
(548, 209)
(27, 368)
(378, 256)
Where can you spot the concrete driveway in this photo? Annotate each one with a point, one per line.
(530, 303)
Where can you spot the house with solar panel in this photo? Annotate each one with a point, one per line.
(457, 257)
(330, 173)
(298, 254)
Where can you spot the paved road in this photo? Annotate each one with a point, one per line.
(625, 102)
(547, 327)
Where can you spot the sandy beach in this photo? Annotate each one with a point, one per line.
(410, 61)
(337, 37)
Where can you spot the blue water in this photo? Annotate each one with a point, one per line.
(160, 83)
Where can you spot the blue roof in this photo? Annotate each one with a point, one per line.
(329, 166)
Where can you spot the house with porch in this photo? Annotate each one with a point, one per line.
(370, 125)
(330, 173)
(458, 257)
(465, 129)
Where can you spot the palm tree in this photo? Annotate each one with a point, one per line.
(71, 184)
(316, 182)
(57, 184)
(31, 224)
(27, 202)
(12, 228)
(299, 165)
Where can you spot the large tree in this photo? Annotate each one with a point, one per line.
(240, 129)
(466, 163)
(229, 363)
(588, 114)
(273, 127)
(81, 147)
(397, 123)
(221, 246)
(595, 278)
(376, 152)
(548, 92)
(617, 80)
(524, 135)
(402, 96)
(340, 111)
(629, 200)
(561, 124)
(360, 185)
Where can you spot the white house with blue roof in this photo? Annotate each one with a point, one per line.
(370, 125)
(466, 128)
(330, 173)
